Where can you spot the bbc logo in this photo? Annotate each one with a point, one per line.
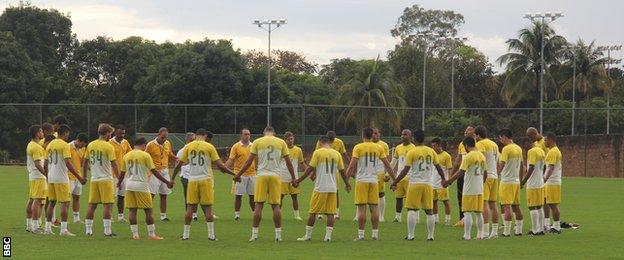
(6, 246)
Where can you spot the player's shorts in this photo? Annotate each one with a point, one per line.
(553, 194)
(37, 189)
(138, 200)
(75, 187)
(381, 183)
(366, 193)
(535, 197)
(200, 192)
(288, 189)
(440, 194)
(509, 193)
(268, 188)
(122, 191)
(419, 196)
(159, 187)
(323, 203)
(102, 192)
(401, 188)
(490, 189)
(245, 187)
(59, 192)
(472, 203)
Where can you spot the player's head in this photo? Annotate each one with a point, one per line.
(480, 132)
(163, 133)
(367, 133)
(59, 120)
(470, 131)
(324, 141)
(63, 132)
(245, 135)
(551, 140)
(47, 128)
(35, 132)
(120, 132)
(269, 131)
(201, 134)
(81, 140)
(190, 136)
(469, 142)
(406, 136)
(105, 130)
(209, 136)
(140, 144)
(376, 134)
(436, 144)
(289, 137)
(419, 136)
(533, 134)
(331, 135)
(505, 135)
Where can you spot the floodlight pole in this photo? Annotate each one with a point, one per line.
(269, 29)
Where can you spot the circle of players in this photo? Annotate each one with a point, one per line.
(266, 171)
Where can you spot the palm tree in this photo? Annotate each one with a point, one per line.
(372, 85)
(523, 62)
(590, 70)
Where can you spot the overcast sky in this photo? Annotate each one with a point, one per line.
(323, 29)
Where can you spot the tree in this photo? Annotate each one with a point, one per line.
(416, 19)
(591, 75)
(281, 59)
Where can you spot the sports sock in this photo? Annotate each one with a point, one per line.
(211, 232)
(237, 214)
(437, 219)
(494, 230)
(540, 218)
(382, 208)
(151, 230)
(120, 216)
(187, 231)
(163, 216)
(135, 230)
(328, 233)
(361, 233)
(547, 223)
(48, 226)
(519, 227)
(89, 226)
(63, 226)
(195, 215)
(485, 231)
(107, 227)
(337, 212)
(447, 219)
(506, 228)
(308, 232)
(480, 229)
(278, 233)
(28, 224)
(431, 220)
(254, 232)
(375, 233)
(467, 224)
(76, 215)
(35, 224)
(411, 223)
(534, 221)
(397, 216)
(557, 225)
(296, 214)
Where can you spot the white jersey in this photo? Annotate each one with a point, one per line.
(326, 162)
(474, 166)
(512, 157)
(554, 158)
(536, 157)
(185, 169)
(58, 151)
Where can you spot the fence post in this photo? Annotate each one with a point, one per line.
(88, 120)
(40, 114)
(303, 125)
(185, 119)
(136, 120)
(235, 123)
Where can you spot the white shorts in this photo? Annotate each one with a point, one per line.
(122, 191)
(159, 187)
(246, 186)
(75, 187)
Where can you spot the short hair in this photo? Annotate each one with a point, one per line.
(140, 141)
(209, 135)
(82, 137)
(189, 135)
(551, 136)
(324, 140)
(163, 129)
(469, 141)
(47, 127)
(201, 131)
(331, 135)
(33, 130)
(242, 130)
(60, 120)
(63, 129)
(506, 132)
(104, 129)
(419, 135)
(48, 138)
(269, 129)
(481, 131)
(367, 132)
(288, 134)
(436, 140)
(120, 127)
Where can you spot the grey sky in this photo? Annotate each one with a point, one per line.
(324, 30)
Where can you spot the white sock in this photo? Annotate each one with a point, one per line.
(278, 233)
(547, 223)
(163, 216)
(382, 207)
(467, 224)
(89, 226)
(35, 224)
(519, 226)
(254, 232)
(296, 213)
(308, 233)
(211, 233)
(494, 231)
(411, 223)
(361, 233)
(48, 226)
(375, 233)
(437, 218)
(431, 220)
(356, 214)
(195, 215)
(120, 216)
(237, 214)
(417, 217)
(63, 226)
(151, 230)
(480, 229)
(447, 219)
(397, 216)
(506, 228)
(534, 220)
(107, 227)
(557, 225)
(337, 212)
(540, 218)
(76, 216)
(28, 224)
(328, 233)
(135, 230)
(187, 231)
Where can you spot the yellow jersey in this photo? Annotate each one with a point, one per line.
(474, 166)
(239, 154)
(100, 154)
(337, 145)
(327, 163)
(296, 157)
(422, 161)
(199, 155)
(540, 143)
(58, 150)
(512, 157)
(400, 152)
(490, 150)
(121, 148)
(35, 154)
(77, 155)
(386, 150)
(368, 155)
(446, 163)
(554, 158)
(535, 157)
(161, 154)
(270, 151)
(137, 166)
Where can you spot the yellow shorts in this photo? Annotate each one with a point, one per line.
(381, 183)
(553, 194)
(288, 189)
(37, 189)
(490, 189)
(323, 202)
(366, 193)
(138, 200)
(535, 197)
(401, 188)
(419, 196)
(200, 192)
(102, 192)
(509, 193)
(440, 194)
(59, 192)
(268, 189)
(472, 203)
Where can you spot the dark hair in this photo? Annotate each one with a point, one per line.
(82, 137)
(60, 120)
(324, 140)
(120, 127)
(269, 129)
(163, 129)
(47, 127)
(506, 132)
(481, 131)
(34, 130)
(367, 132)
(48, 138)
(209, 135)
(241, 131)
(331, 135)
(469, 142)
(419, 135)
(140, 141)
(63, 129)
(201, 131)
(288, 134)
(436, 140)
(551, 136)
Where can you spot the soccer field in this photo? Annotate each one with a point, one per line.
(596, 204)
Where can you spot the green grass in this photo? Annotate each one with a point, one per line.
(594, 203)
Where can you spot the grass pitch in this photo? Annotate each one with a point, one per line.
(594, 203)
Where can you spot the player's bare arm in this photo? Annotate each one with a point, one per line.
(161, 178)
(73, 171)
(306, 173)
(291, 170)
(457, 174)
(351, 170)
(549, 172)
(441, 173)
(224, 168)
(527, 175)
(400, 177)
(42, 169)
(115, 168)
(345, 178)
(389, 168)
(246, 166)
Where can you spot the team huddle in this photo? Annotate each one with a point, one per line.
(266, 170)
